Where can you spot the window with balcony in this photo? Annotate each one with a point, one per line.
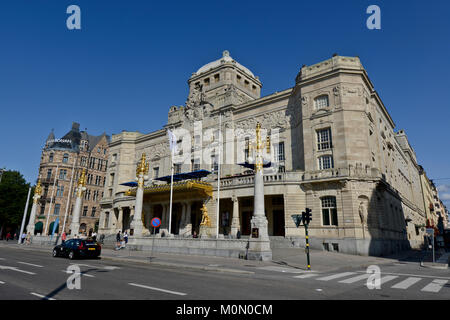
(326, 162)
(329, 211)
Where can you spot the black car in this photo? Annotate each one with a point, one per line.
(78, 248)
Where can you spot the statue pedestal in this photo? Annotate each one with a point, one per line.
(259, 242)
(204, 232)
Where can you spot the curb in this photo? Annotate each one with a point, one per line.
(186, 266)
(431, 265)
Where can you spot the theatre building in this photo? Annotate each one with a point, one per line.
(62, 161)
(330, 142)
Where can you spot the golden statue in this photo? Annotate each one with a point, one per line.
(81, 183)
(142, 167)
(205, 217)
(37, 191)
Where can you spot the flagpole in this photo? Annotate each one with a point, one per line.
(51, 201)
(68, 197)
(24, 216)
(171, 193)
(218, 178)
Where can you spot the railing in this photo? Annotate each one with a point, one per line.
(249, 179)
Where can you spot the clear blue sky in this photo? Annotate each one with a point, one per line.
(132, 59)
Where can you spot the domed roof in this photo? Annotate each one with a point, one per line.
(225, 59)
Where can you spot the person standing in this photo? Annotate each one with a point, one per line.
(22, 239)
(125, 237)
(28, 239)
(8, 235)
(63, 237)
(94, 236)
(118, 238)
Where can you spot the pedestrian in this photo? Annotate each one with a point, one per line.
(194, 235)
(125, 237)
(94, 236)
(238, 234)
(22, 240)
(8, 235)
(16, 237)
(63, 237)
(28, 239)
(118, 236)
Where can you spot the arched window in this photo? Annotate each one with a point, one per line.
(50, 157)
(329, 211)
(321, 102)
(66, 158)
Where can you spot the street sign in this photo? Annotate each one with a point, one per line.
(156, 222)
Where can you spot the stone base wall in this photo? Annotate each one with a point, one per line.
(232, 248)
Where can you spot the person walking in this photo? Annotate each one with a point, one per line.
(94, 236)
(8, 235)
(125, 237)
(118, 236)
(22, 239)
(63, 237)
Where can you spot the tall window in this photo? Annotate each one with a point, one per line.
(326, 162)
(247, 149)
(85, 210)
(66, 158)
(49, 173)
(111, 179)
(329, 211)
(324, 139)
(177, 168)
(280, 152)
(93, 211)
(196, 166)
(60, 191)
(214, 164)
(83, 161)
(106, 220)
(50, 157)
(42, 209)
(62, 174)
(57, 208)
(321, 102)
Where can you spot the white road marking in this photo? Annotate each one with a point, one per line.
(435, 286)
(97, 267)
(30, 264)
(405, 284)
(111, 268)
(15, 269)
(157, 289)
(1, 282)
(336, 276)
(355, 279)
(83, 274)
(385, 279)
(308, 275)
(41, 296)
(411, 275)
(2, 258)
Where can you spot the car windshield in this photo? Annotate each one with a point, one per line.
(90, 242)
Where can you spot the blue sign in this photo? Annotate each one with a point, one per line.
(156, 222)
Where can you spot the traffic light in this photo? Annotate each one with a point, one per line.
(308, 216)
(303, 217)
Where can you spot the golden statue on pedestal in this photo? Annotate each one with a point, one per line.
(81, 183)
(205, 217)
(142, 167)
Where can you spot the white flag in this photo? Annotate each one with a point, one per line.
(172, 141)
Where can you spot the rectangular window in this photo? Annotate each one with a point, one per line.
(324, 139)
(196, 164)
(62, 174)
(280, 151)
(321, 102)
(85, 210)
(57, 208)
(83, 161)
(49, 173)
(42, 209)
(60, 191)
(106, 220)
(111, 179)
(329, 211)
(216, 78)
(177, 168)
(93, 211)
(326, 162)
(247, 149)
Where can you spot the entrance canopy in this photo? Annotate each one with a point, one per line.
(194, 175)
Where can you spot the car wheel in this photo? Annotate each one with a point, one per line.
(54, 253)
(71, 255)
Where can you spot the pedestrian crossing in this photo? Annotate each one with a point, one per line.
(394, 281)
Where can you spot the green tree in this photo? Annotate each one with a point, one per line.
(13, 197)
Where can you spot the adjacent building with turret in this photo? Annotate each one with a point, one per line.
(62, 160)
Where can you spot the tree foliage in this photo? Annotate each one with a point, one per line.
(13, 197)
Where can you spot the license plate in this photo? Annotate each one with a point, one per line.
(91, 248)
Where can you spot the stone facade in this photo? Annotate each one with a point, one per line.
(62, 161)
(334, 149)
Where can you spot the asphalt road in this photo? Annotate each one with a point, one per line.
(28, 274)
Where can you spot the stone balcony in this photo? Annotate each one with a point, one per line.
(270, 178)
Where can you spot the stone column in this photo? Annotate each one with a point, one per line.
(259, 247)
(36, 197)
(188, 222)
(235, 225)
(141, 176)
(75, 224)
(119, 223)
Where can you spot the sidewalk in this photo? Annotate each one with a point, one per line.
(287, 258)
